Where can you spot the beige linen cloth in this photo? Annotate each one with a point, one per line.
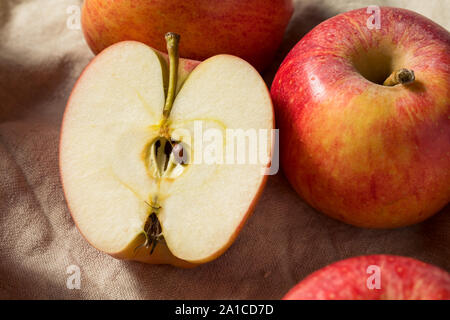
(41, 56)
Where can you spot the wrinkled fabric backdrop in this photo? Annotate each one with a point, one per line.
(282, 242)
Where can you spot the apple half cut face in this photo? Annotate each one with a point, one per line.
(133, 163)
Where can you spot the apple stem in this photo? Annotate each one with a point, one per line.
(402, 76)
(172, 41)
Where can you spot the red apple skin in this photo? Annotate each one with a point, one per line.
(401, 279)
(366, 154)
(251, 29)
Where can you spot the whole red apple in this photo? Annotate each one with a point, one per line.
(359, 141)
(251, 29)
(375, 277)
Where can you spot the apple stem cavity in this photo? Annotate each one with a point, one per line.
(172, 41)
(402, 76)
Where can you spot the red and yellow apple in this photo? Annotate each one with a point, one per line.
(374, 277)
(366, 151)
(131, 113)
(251, 29)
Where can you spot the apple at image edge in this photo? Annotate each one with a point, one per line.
(251, 29)
(365, 153)
(112, 116)
(399, 278)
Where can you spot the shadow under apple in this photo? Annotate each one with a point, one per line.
(284, 241)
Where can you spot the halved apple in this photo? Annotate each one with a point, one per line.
(128, 146)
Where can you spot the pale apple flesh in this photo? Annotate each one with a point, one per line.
(374, 277)
(111, 184)
(362, 152)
